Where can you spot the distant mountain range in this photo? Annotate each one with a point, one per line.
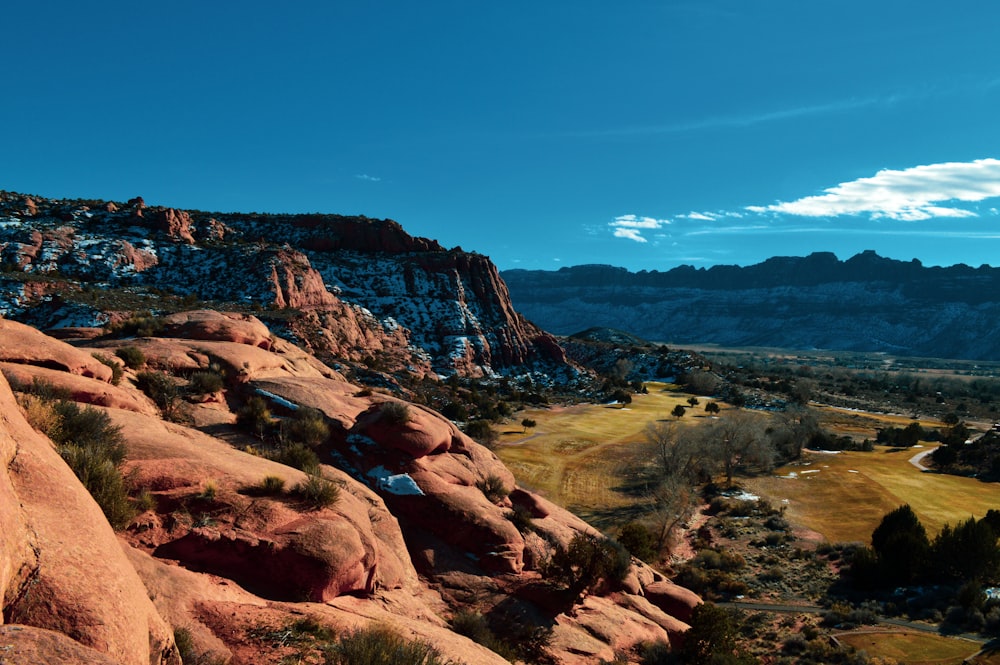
(866, 303)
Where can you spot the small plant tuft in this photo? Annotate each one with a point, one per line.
(116, 369)
(492, 486)
(379, 644)
(132, 356)
(318, 492)
(272, 485)
(395, 413)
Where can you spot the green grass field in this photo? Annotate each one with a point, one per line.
(911, 648)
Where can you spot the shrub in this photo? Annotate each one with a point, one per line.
(309, 427)
(492, 486)
(520, 517)
(205, 382)
(141, 325)
(639, 541)
(482, 431)
(588, 561)
(318, 492)
(377, 645)
(116, 369)
(298, 456)
(160, 388)
(272, 485)
(394, 413)
(40, 414)
(144, 500)
(186, 650)
(255, 416)
(103, 480)
(476, 627)
(132, 356)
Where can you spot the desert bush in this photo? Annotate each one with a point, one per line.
(639, 541)
(656, 653)
(377, 645)
(482, 431)
(318, 492)
(588, 561)
(298, 456)
(492, 486)
(205, 382)
(395, 413)
(144, 500)
(520, 517)
(39, 413)
(132, 356)
(160, 388)
(476, 627)
(309, 427)
(255, 416)
(141, 325)
(116, 369)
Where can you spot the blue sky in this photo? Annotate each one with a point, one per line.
(543, 134)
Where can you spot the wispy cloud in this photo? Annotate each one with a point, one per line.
(632, 226)
(743, 120)
(368, 178)
(911, 194)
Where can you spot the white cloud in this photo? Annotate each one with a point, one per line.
(631, 234)
(631, 226)
(702, 216)
(369, 178)
(908, 195)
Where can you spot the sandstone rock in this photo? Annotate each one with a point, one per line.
(296, 283)
(209, 324)
(176, 223)
(27, 645)
(83, 585)
(673, 599)
(421, 434)
(26, 345)
(80, 388)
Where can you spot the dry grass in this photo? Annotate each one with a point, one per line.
(580, 456)
(912, 648)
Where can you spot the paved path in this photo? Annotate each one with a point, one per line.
(918, 458)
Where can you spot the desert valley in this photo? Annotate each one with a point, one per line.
(259, 438)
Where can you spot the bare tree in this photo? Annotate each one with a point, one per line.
(739, 439)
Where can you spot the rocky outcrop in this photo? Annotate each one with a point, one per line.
(358, 289)
(74, 577)
(25, 345)
(866, 303)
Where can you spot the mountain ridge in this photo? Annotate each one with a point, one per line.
(864, 303)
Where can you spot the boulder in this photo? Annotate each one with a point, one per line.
(673, 599)
(206, 324)
(25, 345)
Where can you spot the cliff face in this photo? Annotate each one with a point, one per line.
(354, 287)
(866, 303)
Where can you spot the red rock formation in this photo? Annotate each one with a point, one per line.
(175, 223)
(26, 345)
(296, 284)
(138, 259)
(207, 324)
(80, 582)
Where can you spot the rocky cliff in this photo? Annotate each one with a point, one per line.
(866, 303)
(351, 289)
(227, 550)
